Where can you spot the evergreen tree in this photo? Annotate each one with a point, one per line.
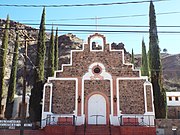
(36, 92)
(3, 54)
(156, 67)
(132, 57)
(51, 55)
(12, 81)
(56, 52)
(144, 62)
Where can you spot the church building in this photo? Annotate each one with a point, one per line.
(98, 87)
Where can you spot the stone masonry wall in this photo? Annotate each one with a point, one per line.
(111, 60)
(173, 112)
(131, 95)
(47, 99)
(167, 125)
(97, 85)
(63, 96)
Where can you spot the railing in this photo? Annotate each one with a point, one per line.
(84, 125)
(74, 123)
(136, 120)
(60, 120)
(109, 127)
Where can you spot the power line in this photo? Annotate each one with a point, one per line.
(107, 25)
(103, 17)
(80, 5)
(101, 31)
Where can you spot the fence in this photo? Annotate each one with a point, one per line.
(136, 120)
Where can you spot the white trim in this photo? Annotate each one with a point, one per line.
(145, 83)
(91, 49)
(50, 84)
(82, 95)
(133, 78)
(111, 92)
(70, 64)
(145, 98)
(118, 103)
(105, 75)
(50, 101)
(122, 53)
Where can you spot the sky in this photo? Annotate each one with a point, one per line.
(122, 14)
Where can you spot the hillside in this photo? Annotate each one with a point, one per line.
(67, 42)
(171, 70)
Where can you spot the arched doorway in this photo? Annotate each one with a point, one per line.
(96, 109)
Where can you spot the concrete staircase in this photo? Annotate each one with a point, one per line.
(93, 130)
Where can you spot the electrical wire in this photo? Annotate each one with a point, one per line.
(101, 31)
(107, 25)
(80, 5)
(105, 17)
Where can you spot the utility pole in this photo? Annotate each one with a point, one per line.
(23, 111)
(23, 104)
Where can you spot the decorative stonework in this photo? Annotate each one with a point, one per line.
(131, 96)
(47, 99)
(149, 98)
(63, 96)
(97, 85)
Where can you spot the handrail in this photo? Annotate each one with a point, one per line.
(74, 122)
(109, 127)
(60, 120)
(136, 120)
(84, 125)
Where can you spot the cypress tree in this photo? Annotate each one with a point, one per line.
(56, 51)
(51, 55)
(12, 81)
(144, 62)
(132, 57)
(156, 67)
(36, 91)
(3, 54)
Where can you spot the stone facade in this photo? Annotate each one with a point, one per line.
(47, 99)
(98, 78)
(97, 86)
(111, 60)
(63, 97)
(131, 96)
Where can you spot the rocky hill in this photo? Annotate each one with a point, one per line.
(66, 43)
(171, 70)
(27, 31)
